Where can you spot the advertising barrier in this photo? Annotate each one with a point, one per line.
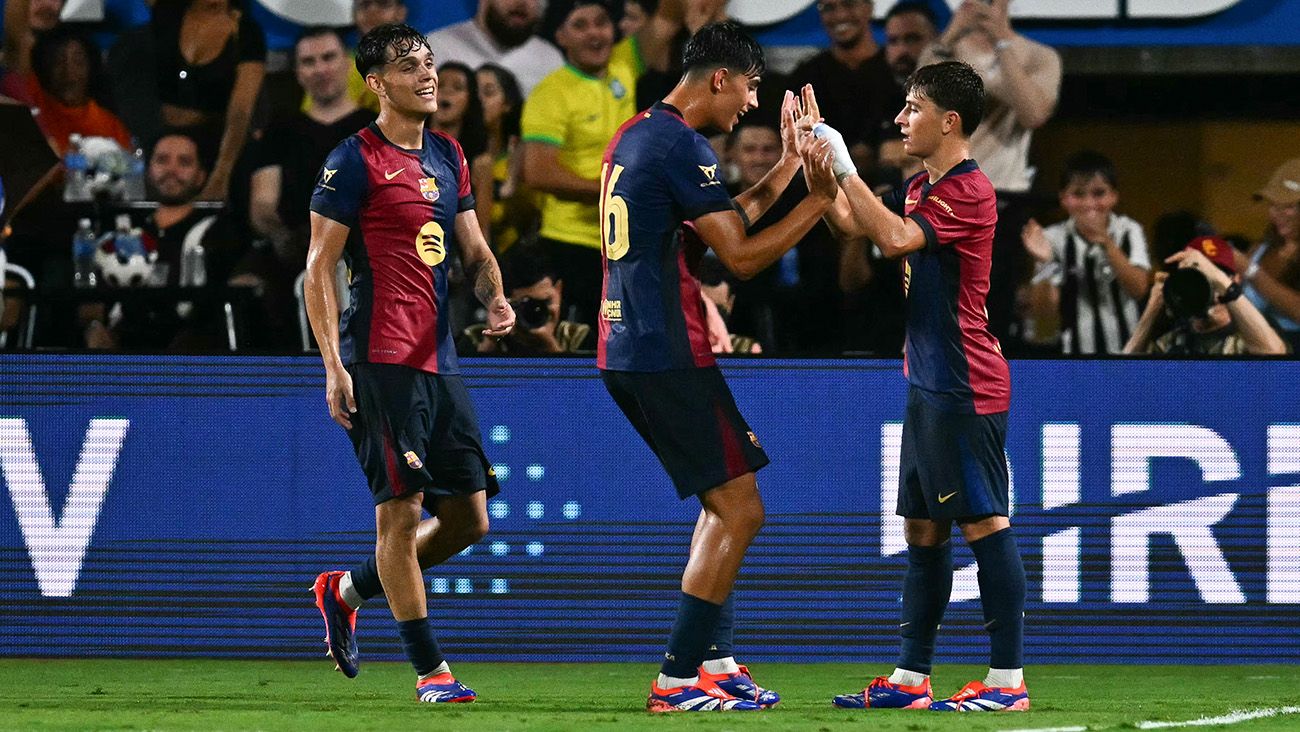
(167, 506)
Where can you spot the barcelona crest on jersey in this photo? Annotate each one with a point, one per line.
(429, 189)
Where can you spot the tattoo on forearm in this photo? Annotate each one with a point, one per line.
(487, 280)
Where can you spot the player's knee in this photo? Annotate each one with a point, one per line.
(749, 518)
(474, 530)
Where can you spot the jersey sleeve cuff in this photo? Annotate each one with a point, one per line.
(706, 209)
(931, 238)
(466, 203)
(334, 214)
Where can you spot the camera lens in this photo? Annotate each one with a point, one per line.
(533, 313)
(1187, 294)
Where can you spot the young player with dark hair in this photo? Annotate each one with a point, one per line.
(394, 200)
(953, 463)
(663, 201)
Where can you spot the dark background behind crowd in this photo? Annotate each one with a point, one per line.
(170, 211)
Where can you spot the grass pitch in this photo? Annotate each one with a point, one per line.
(264, 695)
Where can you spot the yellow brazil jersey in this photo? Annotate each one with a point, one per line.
(579, 114)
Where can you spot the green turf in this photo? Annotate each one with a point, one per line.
(263, 695)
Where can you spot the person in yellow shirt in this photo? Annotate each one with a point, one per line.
(569, 119)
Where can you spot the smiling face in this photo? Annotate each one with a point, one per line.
(587, 37)
(845, 21)
(734, 94)
(906, 36)
(755, 149)
(408, 84)
(1089, 197)
(175, 175)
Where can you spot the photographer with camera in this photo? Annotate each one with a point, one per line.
(535, 293)
(1198, 309)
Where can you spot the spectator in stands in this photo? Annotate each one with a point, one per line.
(910, 27)
(785, 306)
(854, 78)
(1272, 269)
(1094, 267)
(175, 177)
(460, 110)
(1022, 79)
(25, 21)
(366, 16)
(717, 287)
(66, 75)
(1229, 326)
(211, 58)
(568, 121)
(635, 15)
(286, 163)
(535, 292)
(506, 208)
(501, 32)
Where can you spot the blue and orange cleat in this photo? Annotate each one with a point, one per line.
(742, 686)
(703, 697)
(881, 693)
(340, 623)
(976, 697)
(443, 689)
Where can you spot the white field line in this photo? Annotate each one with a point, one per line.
(1232, 718)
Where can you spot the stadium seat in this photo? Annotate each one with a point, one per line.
(341, 282)
(18, 316)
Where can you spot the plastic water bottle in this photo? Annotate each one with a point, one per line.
(76, 186)
(193, 269)
(84, 244)
(134, 188)
(787, 270)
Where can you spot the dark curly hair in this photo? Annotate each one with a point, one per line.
(387, 43)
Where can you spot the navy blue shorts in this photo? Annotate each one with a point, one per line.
(953, 466)
(690, 420)
(414, 431)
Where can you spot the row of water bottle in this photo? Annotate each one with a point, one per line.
(97, 166)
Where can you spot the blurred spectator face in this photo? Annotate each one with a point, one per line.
(69, 75)
(1092, 197)
(845, 21)
(43, 14)
(322, 67)
(175, 174)
(587, 37)
(510, 22)
(634, 16)
(453, 96)
(755, 150)
(369, 14)
(493, 98)
(906, 36)
(1285, 217)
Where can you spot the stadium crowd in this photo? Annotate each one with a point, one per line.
(184, 95)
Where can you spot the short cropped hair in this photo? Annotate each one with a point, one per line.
(1084, 165)
(954, 87)
(723, 45)
(386, 43)
(918, 7)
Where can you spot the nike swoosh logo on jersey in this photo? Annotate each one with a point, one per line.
(394, 174)
(911, 201)
(944, 499)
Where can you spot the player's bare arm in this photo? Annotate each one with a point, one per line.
(328, 238)
(481, 269)
(746, 256)
(758, 199)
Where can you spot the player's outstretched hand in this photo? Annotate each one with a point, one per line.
(789, 125)
(500, 318)
(808, 108)
(338, 395)
(818, 170)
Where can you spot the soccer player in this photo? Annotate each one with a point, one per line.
(953, 464)
(662, 202)
(394, 200)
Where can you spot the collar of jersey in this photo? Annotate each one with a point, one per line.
(374, 127)
(582, 74)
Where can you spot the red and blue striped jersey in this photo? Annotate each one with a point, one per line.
(658, 175)
(949, 353)
(400, 206)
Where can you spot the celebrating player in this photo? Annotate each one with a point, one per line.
(662, 202)
(394, 200)
(953, 465)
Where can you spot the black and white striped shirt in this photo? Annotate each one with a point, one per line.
(1097, 316)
